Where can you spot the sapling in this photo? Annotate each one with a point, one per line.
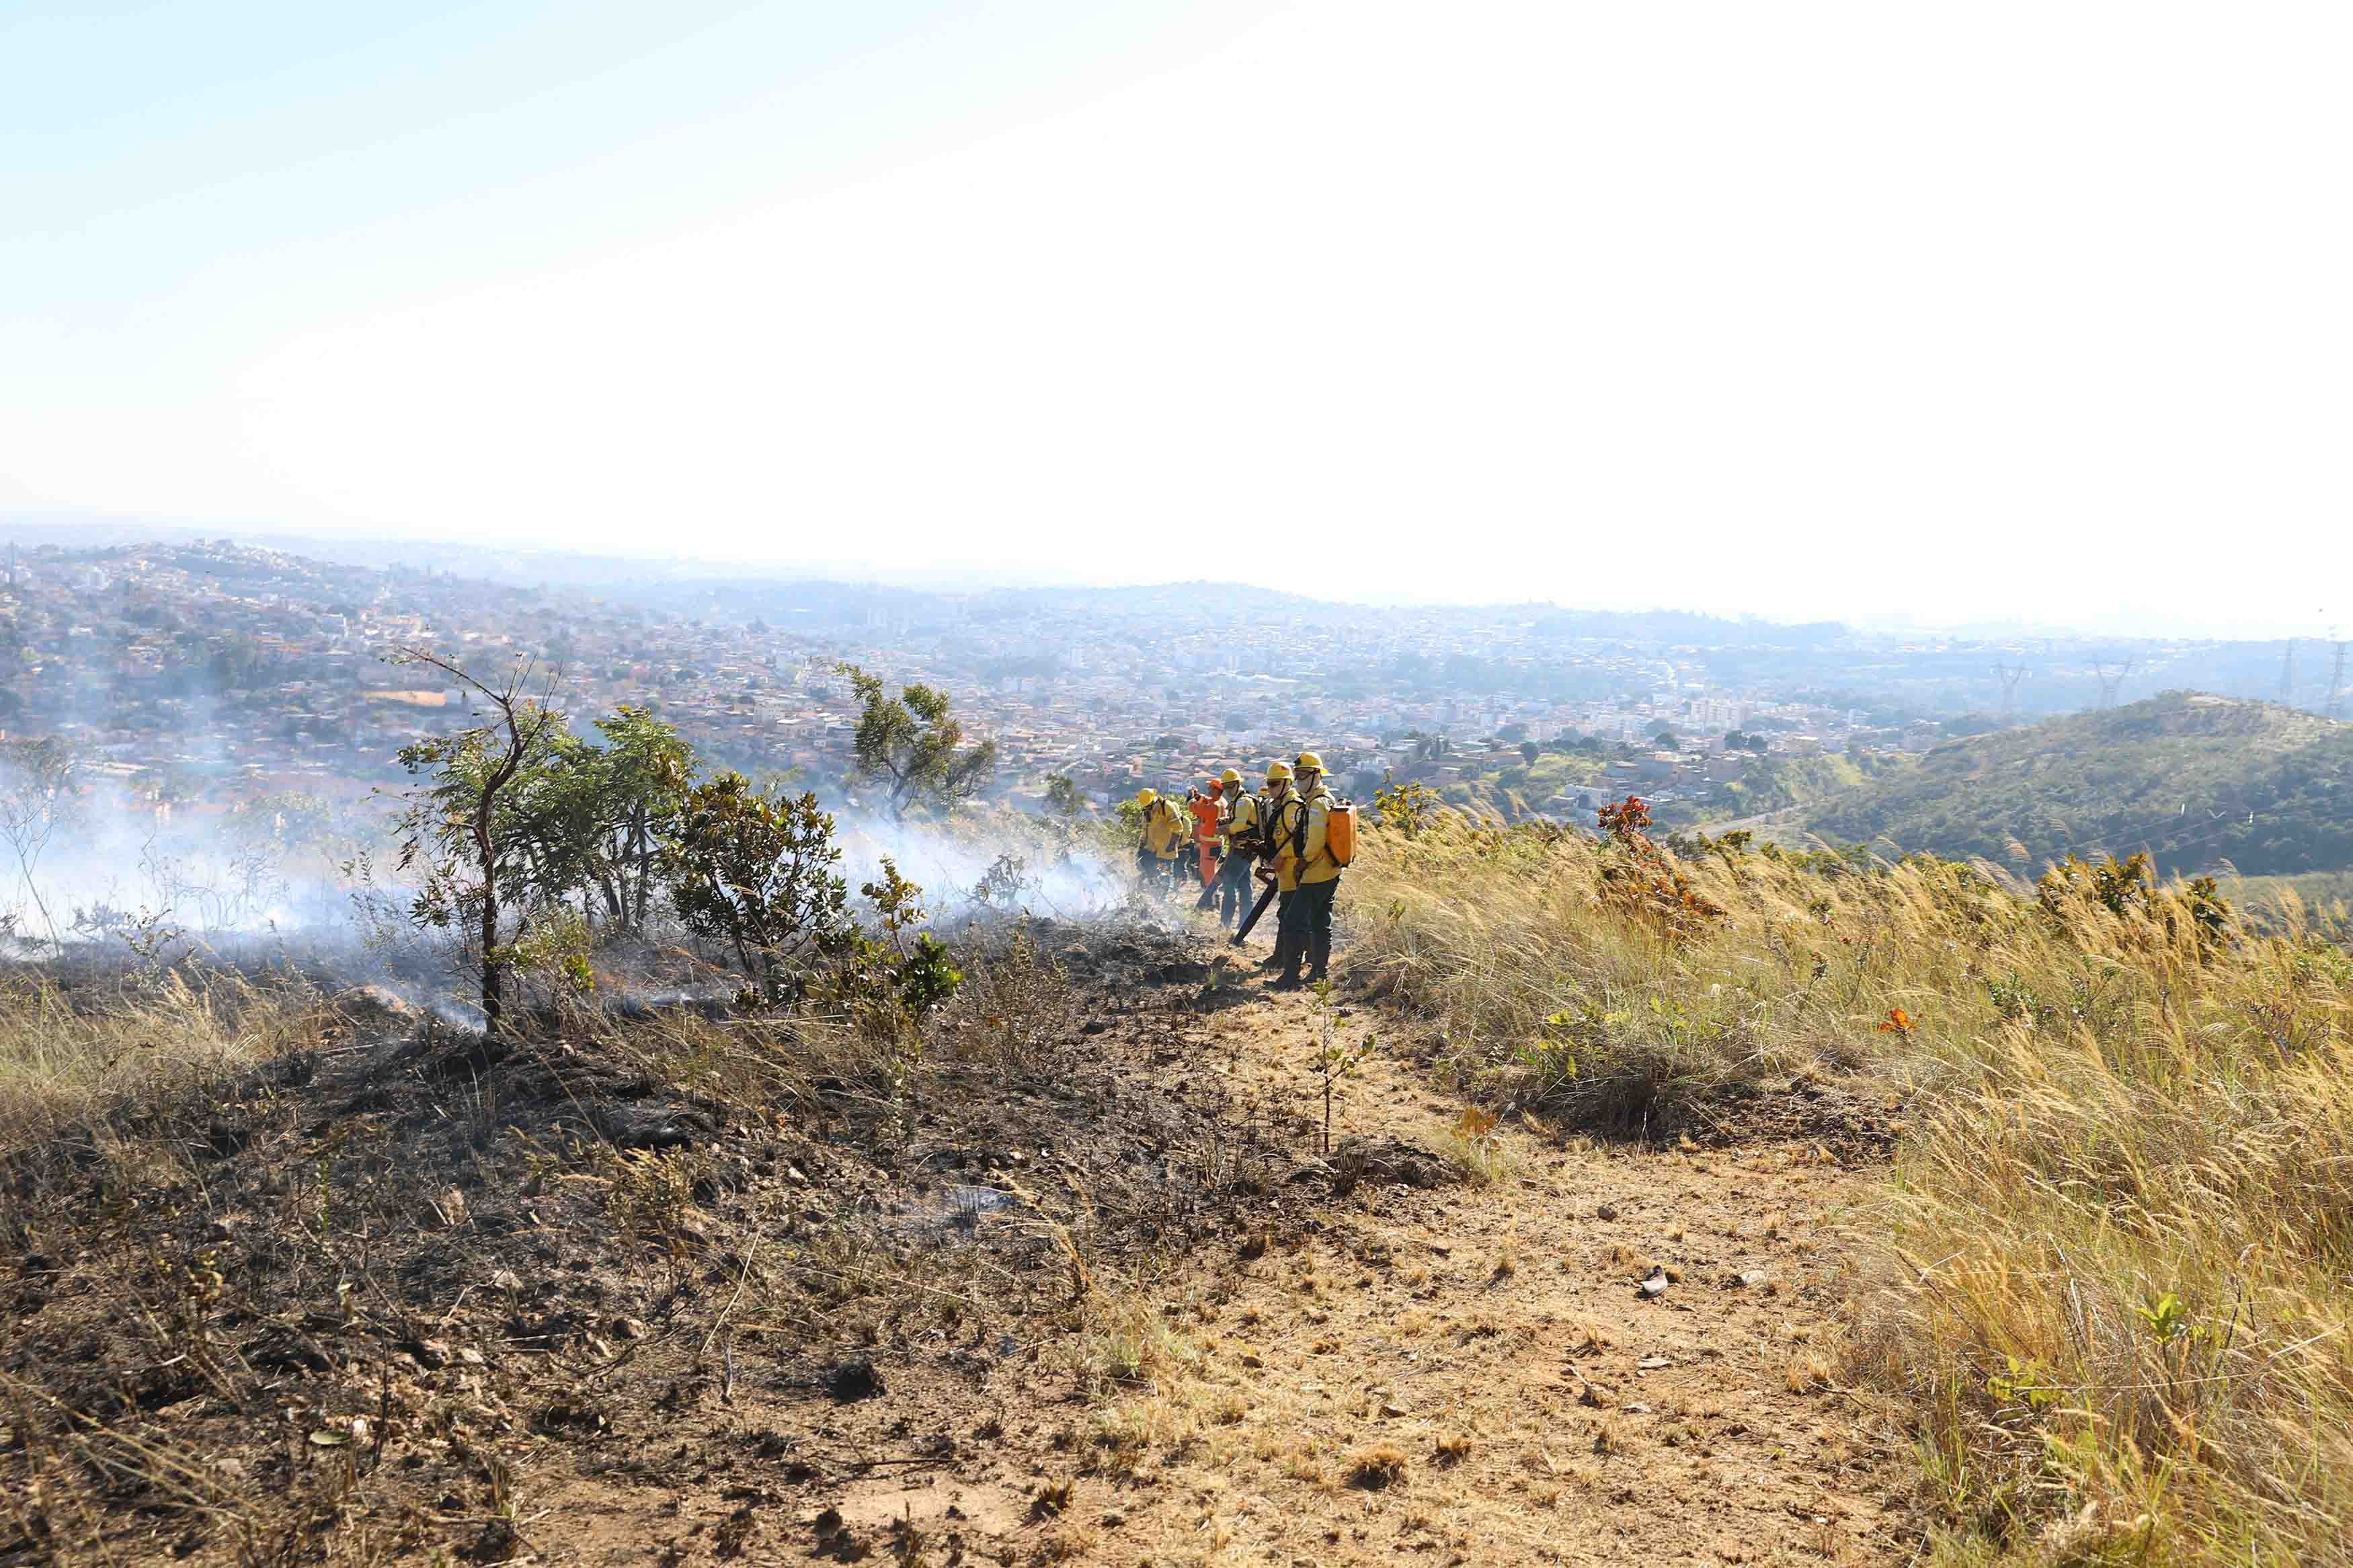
(1333, 1060)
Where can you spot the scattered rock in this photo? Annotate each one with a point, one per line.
(852, 1380)
(671, 1130)
(1386, 1161)
(1607, 1211)
(1654, 1362)
(1655, 1284)
(375, 1006)
(1752, 1280)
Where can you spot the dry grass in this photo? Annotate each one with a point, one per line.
(205, 1177)
(62, 1054)
(1378, 1468)
(1479, 1152)
(2121, 1218)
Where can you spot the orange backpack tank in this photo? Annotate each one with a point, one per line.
(1340, 833)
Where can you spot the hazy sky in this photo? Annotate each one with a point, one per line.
(2039, 309)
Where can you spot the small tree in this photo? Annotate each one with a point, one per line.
(1334, 1061)
(1642, 882)
(36, 798)
(915, 745)
(758, 874)
(1063, 796)
(1412, 807)
(452, 834)
(606, 812)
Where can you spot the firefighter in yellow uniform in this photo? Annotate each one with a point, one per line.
(1307, 875)
(1238, 828)
(1164, 843)
(1268, 807)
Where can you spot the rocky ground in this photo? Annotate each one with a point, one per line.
(1088, 1286)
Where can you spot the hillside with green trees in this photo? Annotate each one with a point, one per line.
(2194, 779)
(1774, 784)
(1517, 790)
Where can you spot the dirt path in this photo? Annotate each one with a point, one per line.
(1473, 1374)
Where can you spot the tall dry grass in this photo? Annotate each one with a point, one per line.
(64, 1051)
(2113, 1286)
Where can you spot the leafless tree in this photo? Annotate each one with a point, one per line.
(36, 797)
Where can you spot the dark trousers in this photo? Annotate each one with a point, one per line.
(1306, 932)
(1234, 895)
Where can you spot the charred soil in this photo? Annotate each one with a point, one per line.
(1080, 1280)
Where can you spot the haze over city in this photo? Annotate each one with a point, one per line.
(2016, 312)
(1517, 784)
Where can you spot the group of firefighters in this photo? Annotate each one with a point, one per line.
(1281, 834)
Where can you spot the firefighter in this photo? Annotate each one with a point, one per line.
(1309, 875)
(1162, 844)
(1272, 800)
(1208, 809)
(1239, 826)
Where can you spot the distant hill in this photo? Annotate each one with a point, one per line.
(2193, 779)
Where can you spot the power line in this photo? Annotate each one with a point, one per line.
(2109, 683)
(2010, 679)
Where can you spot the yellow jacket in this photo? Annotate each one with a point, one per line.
(1164, 832)
(1240, 820)
(1271, 805)
(1291, 868)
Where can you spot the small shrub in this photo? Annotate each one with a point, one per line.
(1378, 1468)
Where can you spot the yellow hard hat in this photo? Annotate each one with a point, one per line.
(1277, 769)
(1309, 762)
(1147, 796)
(1232, 775)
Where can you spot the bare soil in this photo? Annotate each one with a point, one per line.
(579, 1300)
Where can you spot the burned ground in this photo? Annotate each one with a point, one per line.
(666, 1287)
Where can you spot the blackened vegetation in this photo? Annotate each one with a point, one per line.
(383, 1288)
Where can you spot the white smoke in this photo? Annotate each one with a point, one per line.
(112, 859)
(1024, 868)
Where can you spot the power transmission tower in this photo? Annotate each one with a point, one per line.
(2287, 673)
(2010, 679)
(2335, 680)
(2109, 683)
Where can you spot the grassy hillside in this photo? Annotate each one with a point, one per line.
(2194, 779)
(1517, 792)
(1774, 784)
(2109, 1301)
